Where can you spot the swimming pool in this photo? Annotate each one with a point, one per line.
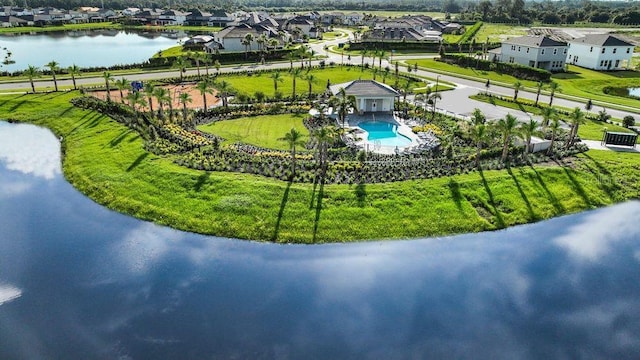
(384, 133)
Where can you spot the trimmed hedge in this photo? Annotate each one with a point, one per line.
(516, 70)
(471, 33)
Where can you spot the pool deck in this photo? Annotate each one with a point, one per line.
(358, 137)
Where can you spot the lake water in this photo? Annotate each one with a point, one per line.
(634, 92)
(80, 281)
(85, 48)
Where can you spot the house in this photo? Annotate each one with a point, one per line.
(539, 51)
(301, 26)
(600, 52)
(353, 19)
(230, 39)
(221, 18)
(131, 11)
(172, 17)
(371, 96)
(198, 18)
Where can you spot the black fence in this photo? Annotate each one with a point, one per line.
(617, 138)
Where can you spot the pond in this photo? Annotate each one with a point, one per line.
(80, 281)
(634, 91)
(86, 48)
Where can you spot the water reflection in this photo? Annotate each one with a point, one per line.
(30, 150)
(102, 285)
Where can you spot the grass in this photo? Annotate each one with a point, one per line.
(578, 82)
(263, 82)
(498, 32)
(261, 131)
(177, 50)
(591, 130)
(105, 160)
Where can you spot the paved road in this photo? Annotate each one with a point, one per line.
(456, 101)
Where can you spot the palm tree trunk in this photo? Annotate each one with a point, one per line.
(150, 105)
(184, 112)
(121, 97)
(73, 78)
(478, 149)
(553, 140)
(33, 87)
(55, 81)
(204, 100)
(505, 149)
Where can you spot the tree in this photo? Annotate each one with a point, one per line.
(323, 137)
(149, 91)
(276, 77)
(122, 84)
(548, 113)
(516, 88)
(32, 72)
(53, 67)
(364, 54)
(73, 70)
(576, 118)
(136, 99)
(261, 40)
(539, 88)
(246, 41)
(433, 98)
(554, 127)
(527, 130)
(478, 133)
(295, 74)
(185, 98)
(108, 78)
(181, 64)
(603, 116)
(198, 57)
(343, 103)
(224, 88)
(552, 87)
(291, 56)
(204, 87)
(293, 139)
(628, 121)
(217, 65)
(506, 127)
(162, 97)
(478, 117)
(310, 80)
(381, 56)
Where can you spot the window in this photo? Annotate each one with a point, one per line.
(565, 51)
(617, 63)
(542, 52)
(569, 57)
(614, 50)
(603, 50)
(601, 62)
(591, 50)
(527, 50)
(555, 51)
(628, 50)
(560, 64)
(518, 48)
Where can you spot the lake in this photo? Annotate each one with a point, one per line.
(80, 281)
(86, 48)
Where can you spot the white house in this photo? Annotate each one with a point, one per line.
(600, 52)
(539, 51)
(371, 96)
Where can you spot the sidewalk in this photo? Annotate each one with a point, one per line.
(597, 145)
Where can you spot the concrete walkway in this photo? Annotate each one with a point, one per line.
(597, 145)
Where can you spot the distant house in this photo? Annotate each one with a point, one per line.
(353, 19)
(221, 18)
(539, 51)
(12, 21)
(301, 26)
(371, 96)
(600, 52)
(198, 18)
(172, 17)
(130, 11)
(230, 38)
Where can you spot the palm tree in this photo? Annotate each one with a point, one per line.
(296, 73)
(135, 98)
(324, 136)
(197, 57)
(555, 127)
(478, 117)
(291, 56)
(181, 64)
(293, 139)
(548, 113)
(108, 78)
(162, 97)
(552, 87)
(32, 72)
(433, 98)
(364, 54)
(246, 41)
(149, 90)
(185, 98)
(310, 80)
(516, 88)
(73, 70)
(539, 88)
(276, 77)
(53, 67)
(577, 118)
(122, 84)
(261, 40)
(478, 133)
(528, 129)
(206, 60)
(204, 87)
(343, 103)
(506, 126)
(217, 65)
(381, 55)
(310, 54)
(224, 88)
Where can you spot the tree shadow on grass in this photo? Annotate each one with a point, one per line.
(532, 215)
(9, 98)
(603, 175)
(492, 201)
(201, 180)
(554, 200)
(82, 123)
(283, 204)
(361, 194)
(316, 221)
(313, 192)
(574, 182)
(118, 139)
(454, 188)
(138, 161)
(17, 105)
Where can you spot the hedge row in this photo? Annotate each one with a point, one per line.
(470, 33)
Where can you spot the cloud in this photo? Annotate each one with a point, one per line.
(9, 293)
(30, 150)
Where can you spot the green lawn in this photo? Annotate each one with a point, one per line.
(261, 131)
(498, 32)
(432, 64)
(172, 51)
(264, 83)
(105, 160)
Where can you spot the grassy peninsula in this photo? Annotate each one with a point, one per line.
(106, 161)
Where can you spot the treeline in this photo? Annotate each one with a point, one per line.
(565, 12)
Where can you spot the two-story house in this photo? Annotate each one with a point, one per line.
(539, 51)
(600, 52)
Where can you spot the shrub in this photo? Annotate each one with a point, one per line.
(628, 121)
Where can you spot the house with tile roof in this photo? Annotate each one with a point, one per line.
(538, 51)
(371, 96)
(600, 52)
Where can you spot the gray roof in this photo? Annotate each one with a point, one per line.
(601, 40)
(535, 41)
(364, 88)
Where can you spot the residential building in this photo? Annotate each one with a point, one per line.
(600, 52)
(371, 96)
(538, 51)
